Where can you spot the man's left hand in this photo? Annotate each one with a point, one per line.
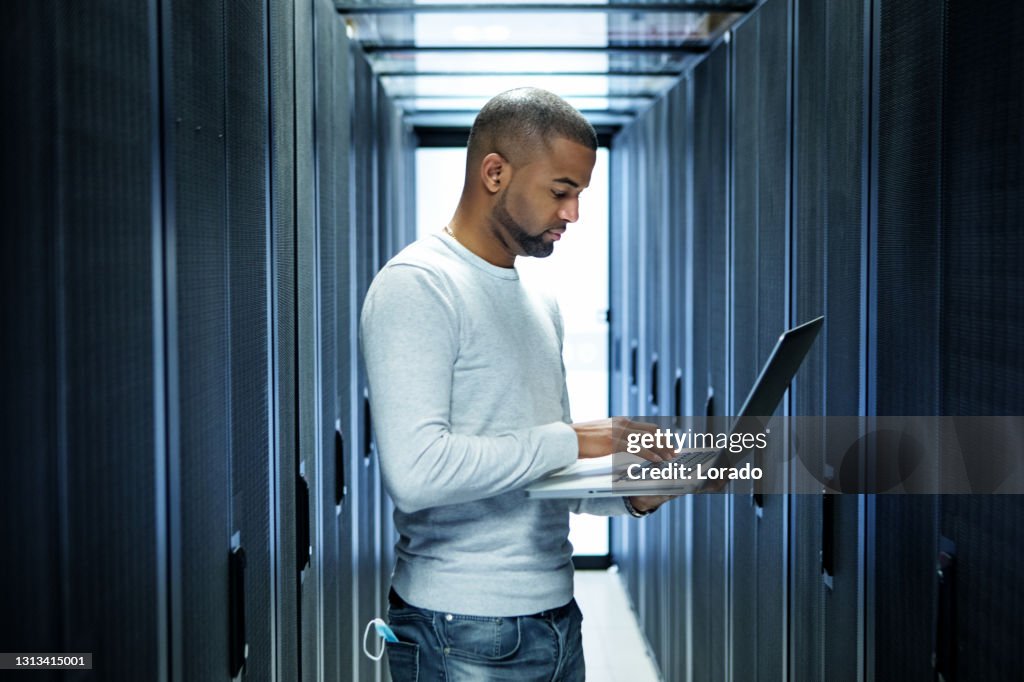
(648, 503)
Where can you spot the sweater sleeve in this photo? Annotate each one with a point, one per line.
(596, 506)
(409, 334)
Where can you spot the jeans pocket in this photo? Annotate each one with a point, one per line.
(404, 661)
(481, 638)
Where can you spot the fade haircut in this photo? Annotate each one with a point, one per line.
(519, 123)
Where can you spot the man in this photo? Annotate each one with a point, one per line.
(469, 403)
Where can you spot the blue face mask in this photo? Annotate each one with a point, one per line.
(384, 632)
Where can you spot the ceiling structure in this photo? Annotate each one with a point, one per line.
(440, 60)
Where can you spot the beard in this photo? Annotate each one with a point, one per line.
(531, 245)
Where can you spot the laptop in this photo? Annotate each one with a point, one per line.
(605, 476)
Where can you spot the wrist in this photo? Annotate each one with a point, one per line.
(633, 510)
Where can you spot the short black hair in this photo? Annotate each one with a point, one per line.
(518, 123)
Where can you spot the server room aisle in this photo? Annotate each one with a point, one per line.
(613, 645)
(197, 194)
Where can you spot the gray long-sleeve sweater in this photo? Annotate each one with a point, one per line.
(467, 389)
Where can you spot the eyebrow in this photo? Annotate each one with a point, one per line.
(567, 181)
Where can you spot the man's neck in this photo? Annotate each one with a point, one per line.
(476, 235)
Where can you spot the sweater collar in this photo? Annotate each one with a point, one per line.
(465, 254)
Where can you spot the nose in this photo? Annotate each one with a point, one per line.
(569, 211)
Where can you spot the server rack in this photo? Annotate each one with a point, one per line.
(868, 179)
(184, 276)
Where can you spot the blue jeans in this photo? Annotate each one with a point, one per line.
(450, 647)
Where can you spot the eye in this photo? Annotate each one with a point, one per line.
(558, 194)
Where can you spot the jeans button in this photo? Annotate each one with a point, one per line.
(448, 616)
(446, 651)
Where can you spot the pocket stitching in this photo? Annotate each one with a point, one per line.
(407, 615)
(472, 656)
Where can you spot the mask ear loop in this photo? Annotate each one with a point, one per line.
(386, 635)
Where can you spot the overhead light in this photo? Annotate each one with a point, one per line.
(497, 33)
(466, 33)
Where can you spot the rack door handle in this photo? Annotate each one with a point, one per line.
(945, 643)
(238, 647)
(633, 360)
(654, 382)
(367, 426)
(302, 540)
(339, 466)
(828, 539)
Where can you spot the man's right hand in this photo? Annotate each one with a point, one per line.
(607, 436)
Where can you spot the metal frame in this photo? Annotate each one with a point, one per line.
(788, 511)
(273, 382)
(727, 388)
(463, 118)
(389, 73)
(407, 7)
(683, 48)
(866, 503)
(174, 546)
(162, 216)
(440, 98)
(687, 365)
(873, 21)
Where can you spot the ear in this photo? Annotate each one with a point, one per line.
(495, 172)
